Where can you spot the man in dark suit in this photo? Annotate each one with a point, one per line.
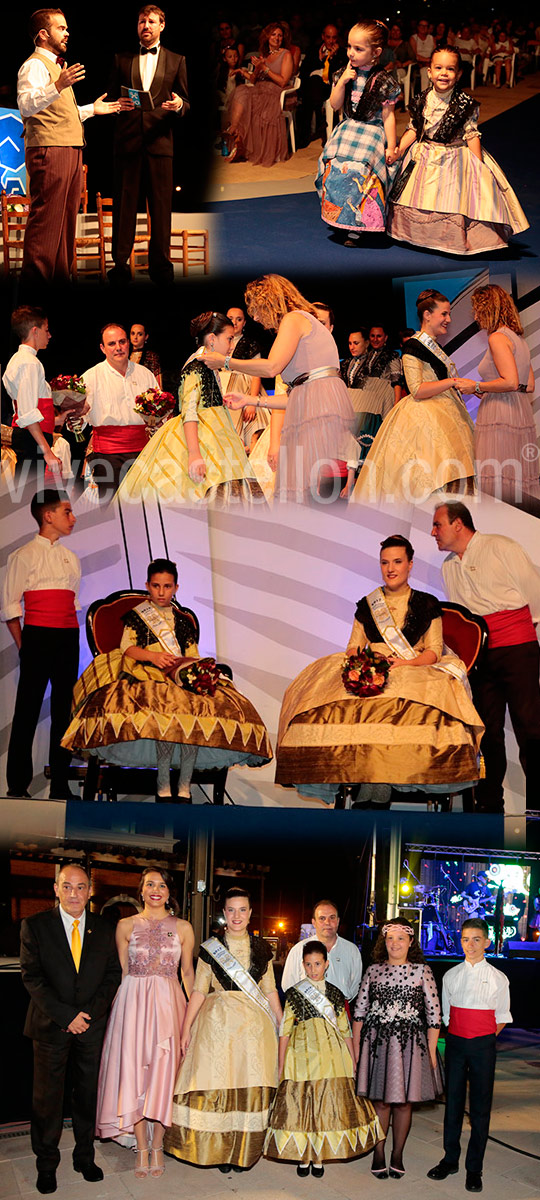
(143, 145)
(70, 967)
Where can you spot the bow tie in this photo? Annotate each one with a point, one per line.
(148, 50)
(61, 62)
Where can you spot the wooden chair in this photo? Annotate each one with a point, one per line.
(104, 629)
(190, 247)
(15, 209)
(138, 259)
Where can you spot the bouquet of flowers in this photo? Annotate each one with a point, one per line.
(68, 395)
(365, 673)
(201, 676)
(155, 407)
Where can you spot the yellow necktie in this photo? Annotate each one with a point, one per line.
(76, 944)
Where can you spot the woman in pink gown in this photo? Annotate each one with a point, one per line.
(257, 129)
(319, 417)
(141, 1051)
(505, 437)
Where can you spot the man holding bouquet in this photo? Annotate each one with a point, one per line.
(112, 389)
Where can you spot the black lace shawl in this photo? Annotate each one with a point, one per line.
(460, 108)
(380, 87)
(417, 349)
(304, 1011)
(422, 610)
(210, 391)
(261, 954)
(246, 348)
(186, 628)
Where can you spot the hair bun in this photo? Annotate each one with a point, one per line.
(198, 324)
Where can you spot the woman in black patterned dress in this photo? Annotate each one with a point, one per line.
(396, 1027)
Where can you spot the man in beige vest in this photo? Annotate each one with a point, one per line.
(53, 134)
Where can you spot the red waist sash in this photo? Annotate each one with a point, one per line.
(53, 608)
(46, 407)
(119, 439)
(472, 1022)
(510, 627)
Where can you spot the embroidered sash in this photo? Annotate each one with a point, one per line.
(437, 350)
(239, 976)
(396, 640)
(318, 1000)
(161, 630)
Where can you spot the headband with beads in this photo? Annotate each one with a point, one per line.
(398, 928)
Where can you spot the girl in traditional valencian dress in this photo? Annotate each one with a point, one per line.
(452, 195)
(355, 165)
(316, 1072)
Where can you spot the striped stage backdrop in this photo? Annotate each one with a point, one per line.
(273, 591)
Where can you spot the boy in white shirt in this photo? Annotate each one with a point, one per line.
(476, 1007)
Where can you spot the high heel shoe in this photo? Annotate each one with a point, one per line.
(396, 1172)
(157, 1166)
(141, 1167)
(379, 1172)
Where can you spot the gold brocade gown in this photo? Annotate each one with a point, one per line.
(422, 731)
(122, 707)
(161, 470)
(227, 1080)
(316, 1115)
(422, 446)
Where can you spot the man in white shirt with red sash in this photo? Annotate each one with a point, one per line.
(493, 577)
(24, 381)
(43, 577)
(111, 390)
(475, 1007)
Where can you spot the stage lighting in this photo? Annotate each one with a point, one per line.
(405, 888)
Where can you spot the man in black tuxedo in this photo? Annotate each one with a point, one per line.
(143, 145)
(70, 967)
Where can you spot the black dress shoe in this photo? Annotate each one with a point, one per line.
(442, 1170)
(46, 1182)
(317, 1170)
(473, 1181)
(225, 1168)
(89, 1171)
(15, 795)
(62, 793)
(303, 1172)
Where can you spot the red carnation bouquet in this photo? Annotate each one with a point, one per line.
(69, 397)
(155, 407)
(365, 673)
(201, 676)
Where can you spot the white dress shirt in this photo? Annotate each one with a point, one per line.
(494, 574)
(67, 922)
(25, 383)
(477, 985)
(147, 67)
(38, 566)
(344, 966)
(37, 91)
(112, 396)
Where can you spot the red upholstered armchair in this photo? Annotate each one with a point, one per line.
(104, 629)
(464, 633)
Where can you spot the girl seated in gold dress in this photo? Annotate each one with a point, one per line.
(420, 732)
(132, 707)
